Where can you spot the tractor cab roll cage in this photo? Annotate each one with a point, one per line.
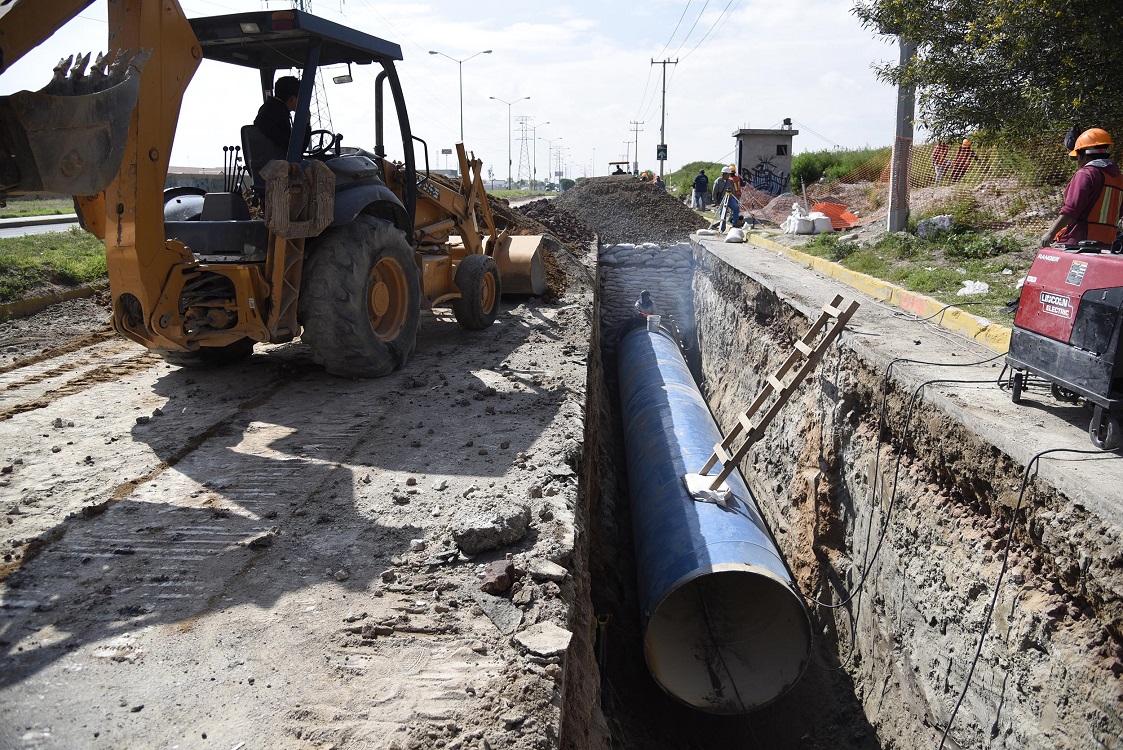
(270, 41)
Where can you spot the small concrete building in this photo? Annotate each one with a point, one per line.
(765, 156)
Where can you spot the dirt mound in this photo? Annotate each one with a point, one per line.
(561, 223)
(519, 224)
(624, 209)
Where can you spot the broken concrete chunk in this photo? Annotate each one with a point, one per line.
(416, 545)
(488, 530)
(505, 616)
(544, 570)
(545, 639)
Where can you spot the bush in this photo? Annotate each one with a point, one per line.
(834, 165)
(968, 246)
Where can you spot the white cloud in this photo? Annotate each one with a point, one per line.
(586, 67)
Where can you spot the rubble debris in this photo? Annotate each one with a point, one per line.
(545, 639)
(504, 525)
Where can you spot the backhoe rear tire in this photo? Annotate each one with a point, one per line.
(360, 301)
(211, 356)
(477, 278)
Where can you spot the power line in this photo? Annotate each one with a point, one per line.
(696, 20)
(699, 44)
(668, 44)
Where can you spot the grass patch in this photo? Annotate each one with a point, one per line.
(66, 258)
(938, 266)
(37, 207)
(518, 195)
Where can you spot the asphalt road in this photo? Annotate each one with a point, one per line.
(37, 225)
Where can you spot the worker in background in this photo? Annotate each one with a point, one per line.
(645, 305)
(1093, 201)
(727, 198)
(701, 185)
(961, 162)
(619, 170)
(273, 117)
(659, 182)
(736, 180)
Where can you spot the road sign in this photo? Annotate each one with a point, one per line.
(661, 152)
(446, 151)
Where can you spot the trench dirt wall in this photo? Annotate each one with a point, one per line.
(1049, 671)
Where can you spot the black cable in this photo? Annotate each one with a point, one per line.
(896, 472)
(1002, 572)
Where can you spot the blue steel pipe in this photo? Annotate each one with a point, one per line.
(725, 628)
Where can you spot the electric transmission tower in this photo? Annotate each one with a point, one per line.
(524, 149)
(319, 115)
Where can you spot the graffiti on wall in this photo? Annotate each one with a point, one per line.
(766, 177)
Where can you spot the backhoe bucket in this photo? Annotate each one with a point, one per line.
(68, 138)
(521, 269)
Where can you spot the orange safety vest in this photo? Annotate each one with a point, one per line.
(1103, 217)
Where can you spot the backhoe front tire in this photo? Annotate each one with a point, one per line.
(211, 356)
(360, 302)
(477, 278)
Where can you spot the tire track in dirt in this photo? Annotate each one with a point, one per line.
(90, 339)
(103, 374)
(35, 546)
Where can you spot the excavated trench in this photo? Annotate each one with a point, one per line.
(916, 483)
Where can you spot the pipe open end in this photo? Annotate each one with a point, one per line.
(729, 641)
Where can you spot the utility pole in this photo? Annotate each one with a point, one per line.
(902, 146)
(635, 165)
(661, 151)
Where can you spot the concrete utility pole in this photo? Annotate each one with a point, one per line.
(509, 161)
(902, 148)
(663, 113)
(635, 164)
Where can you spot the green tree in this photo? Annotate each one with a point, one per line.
(1024, 68)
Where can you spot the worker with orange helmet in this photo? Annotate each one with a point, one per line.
(1093, 199)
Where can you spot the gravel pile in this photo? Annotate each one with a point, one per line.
(561, 223)
(624, 209)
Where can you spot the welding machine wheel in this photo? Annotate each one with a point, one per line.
(1064, 394)
(1104, 429)
(1017, 382)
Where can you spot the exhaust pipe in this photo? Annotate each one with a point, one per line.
(725, 628)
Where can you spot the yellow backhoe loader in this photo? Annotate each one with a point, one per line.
(337, 244)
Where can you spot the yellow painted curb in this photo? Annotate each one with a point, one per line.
(991, 335)
(24, 307)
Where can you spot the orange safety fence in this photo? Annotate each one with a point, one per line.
(988, 188)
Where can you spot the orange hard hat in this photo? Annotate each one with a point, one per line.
(732, 167)
(966, 142)
(1092, 138)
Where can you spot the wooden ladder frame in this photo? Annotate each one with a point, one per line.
(808, 351)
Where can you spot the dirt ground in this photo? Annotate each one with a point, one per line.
(268, 556)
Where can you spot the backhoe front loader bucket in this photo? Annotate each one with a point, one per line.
(70, 137)
(520, 263)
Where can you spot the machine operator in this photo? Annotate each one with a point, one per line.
(273, 116)
(1093, 199)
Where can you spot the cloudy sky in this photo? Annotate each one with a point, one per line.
(585, 66)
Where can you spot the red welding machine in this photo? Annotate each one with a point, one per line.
(1067, 330)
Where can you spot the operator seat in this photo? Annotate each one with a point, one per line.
(259, 151)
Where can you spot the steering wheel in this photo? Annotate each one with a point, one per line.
(320, 142)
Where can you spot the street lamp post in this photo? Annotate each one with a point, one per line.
(549, 150)
(534, 140)
(460, 64)
(509, 162)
